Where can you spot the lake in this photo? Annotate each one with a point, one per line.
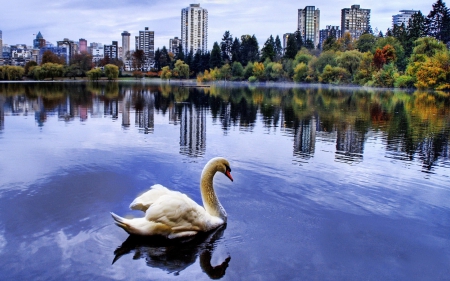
(329, 183)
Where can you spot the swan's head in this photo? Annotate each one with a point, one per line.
(221, 164)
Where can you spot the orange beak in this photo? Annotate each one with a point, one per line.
(227, 173)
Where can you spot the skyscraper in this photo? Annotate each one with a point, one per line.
(174, 43)
(403, 17)
(125, 44)
(308, 24)
(1, 45)
(355, 21)
(147, 43)
(194, 28)
(82, 43)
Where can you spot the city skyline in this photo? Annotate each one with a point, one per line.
(99, 23)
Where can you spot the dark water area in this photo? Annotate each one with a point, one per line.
(329, 183)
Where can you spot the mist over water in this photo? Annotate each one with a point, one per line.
(330, 183)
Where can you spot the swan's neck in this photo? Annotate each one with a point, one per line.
(209, 197)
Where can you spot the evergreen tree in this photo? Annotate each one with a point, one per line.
(197, 62)
(164, 59)
(268, 51)
(416, 29)
(180, 54)
(291, 47)
(157, 57)
(189, 59)
(278, 49)
(249, 49)
(225, 46)
(236, 50)
(438, 21)
(298, 39)
(216, 58)
(205, 61)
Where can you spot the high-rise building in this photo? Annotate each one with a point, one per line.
(146, 43)
(329, 31)
(39, 42)
(72, 48)
(1, 45)
(125, 44)
(194, 28)
(403, 17)
(174, 43)
(355, 21)
(308, 24)
(111, 50)
(82, 45)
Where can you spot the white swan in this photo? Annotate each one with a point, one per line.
(172, 214)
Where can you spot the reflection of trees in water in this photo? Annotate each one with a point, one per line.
(174, 256)
(2, 112)
(413, 125)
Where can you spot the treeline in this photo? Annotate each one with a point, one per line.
(53, 66)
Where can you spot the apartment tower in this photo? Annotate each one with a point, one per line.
(308, 24)
(194, 28)
(125, 44)
(403, 18)
(355, 21)
(146, 43)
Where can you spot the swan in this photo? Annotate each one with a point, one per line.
(173, 214)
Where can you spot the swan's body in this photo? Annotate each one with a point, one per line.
(172, 214)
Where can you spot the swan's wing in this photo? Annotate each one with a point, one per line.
(181, 214)
(144, 201)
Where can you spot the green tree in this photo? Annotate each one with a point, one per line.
(180, 53)
(438, 22)
(94, 74)
(166, 73)
(53, 70)
(249, 49)
(225, 47)
(326, 58)
(291, 47)
(366, 43)
(236, 50)
(83, 62)
(237, 71)
(350, 61)
(29, 66)
(300, 72)
(278, 49)
(309, 44)
(111, 71)
(216, 58)
(268, 50)
(182, 69)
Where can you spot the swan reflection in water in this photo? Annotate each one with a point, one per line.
(176, 255)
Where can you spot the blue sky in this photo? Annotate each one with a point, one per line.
(104, 21)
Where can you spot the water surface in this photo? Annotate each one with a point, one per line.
(330, 184)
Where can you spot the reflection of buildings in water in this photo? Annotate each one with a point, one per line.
(83, 112)
(271, 116)
(174, 256)
(40, 115)
(431, 149)
(174, 117)
(225, 118)
(65, 110)
(305, 138)
(125, 106)
(2, 112)
(111, 109)
(98, 107)
(349, 144)
(192, 130)
(145, 116)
